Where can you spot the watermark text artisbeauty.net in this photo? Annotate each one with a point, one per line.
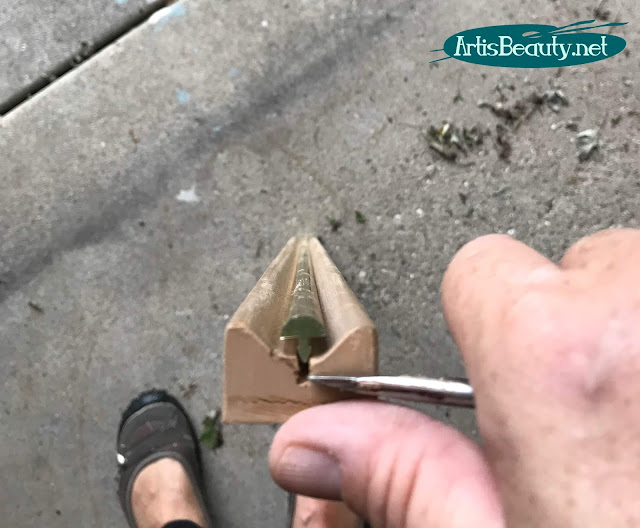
(505, 47)
(533, 45)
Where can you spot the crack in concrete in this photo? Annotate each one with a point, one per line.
(87, 51)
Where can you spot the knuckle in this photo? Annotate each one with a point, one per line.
(599, 251)
(532, 317)
(401, 486)
(572, 345)
(392, 482)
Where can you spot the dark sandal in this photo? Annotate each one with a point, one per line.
(155, 426)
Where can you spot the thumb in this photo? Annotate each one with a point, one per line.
(393, 466)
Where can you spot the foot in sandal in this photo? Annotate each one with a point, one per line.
(160, 479)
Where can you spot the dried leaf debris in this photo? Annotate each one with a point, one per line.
(588, 143)
(450, 140)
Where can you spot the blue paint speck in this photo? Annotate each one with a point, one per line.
(217, 128)
(233, 72)
(196, 49)
(183, 96)
(121, 2)
(160, 18)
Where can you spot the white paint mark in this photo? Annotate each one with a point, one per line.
(397, 219)
(184, 313)
(362, 274)
(264, 23)
(188, 195)
(419, 212)
(161, 17)
(511, 232)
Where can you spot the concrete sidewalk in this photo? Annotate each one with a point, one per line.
(42, 39)
(272, 118)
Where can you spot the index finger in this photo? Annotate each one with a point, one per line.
(483, 281)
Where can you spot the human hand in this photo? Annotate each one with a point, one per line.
(553, 354)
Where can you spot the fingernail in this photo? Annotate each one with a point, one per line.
(309, 472)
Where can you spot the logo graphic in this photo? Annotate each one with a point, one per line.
(533, 45)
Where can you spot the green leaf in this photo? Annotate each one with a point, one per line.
(360, 217)
(334, 223)
(211, 436)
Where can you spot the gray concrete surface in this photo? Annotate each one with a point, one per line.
(280, 115)
(39, 38)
